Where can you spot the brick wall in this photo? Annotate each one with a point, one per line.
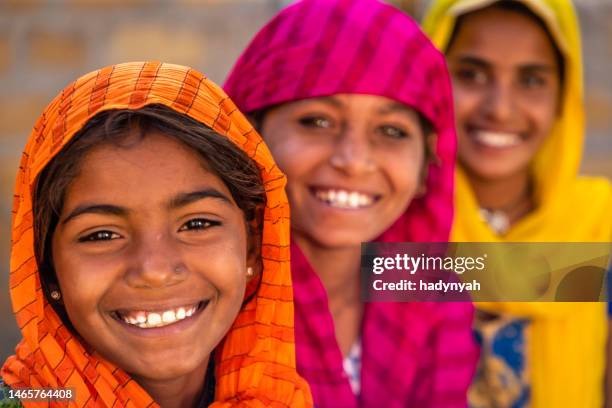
(45, 44)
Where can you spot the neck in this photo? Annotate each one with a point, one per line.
(338, 269)
(183, 391)
(511, 195)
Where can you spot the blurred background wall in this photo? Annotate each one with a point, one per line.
(45, 44)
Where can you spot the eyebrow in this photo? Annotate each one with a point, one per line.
(180, 200)
(468, 59)
(396, 107)
(184, 199)
(329, 100)
(105, 209)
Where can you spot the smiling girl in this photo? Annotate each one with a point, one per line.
(148, 263)
(517, 75)
(356, 107)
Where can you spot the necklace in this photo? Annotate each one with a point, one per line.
(500, 219)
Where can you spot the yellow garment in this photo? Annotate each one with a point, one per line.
(565, 341)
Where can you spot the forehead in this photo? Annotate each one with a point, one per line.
(503, 37)
(359, 104)
(149, 169)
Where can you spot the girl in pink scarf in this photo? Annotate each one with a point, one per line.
(356, 107)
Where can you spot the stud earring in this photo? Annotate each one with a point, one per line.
(249, 271)
(56, 295)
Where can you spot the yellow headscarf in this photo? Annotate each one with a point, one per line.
(565, 341)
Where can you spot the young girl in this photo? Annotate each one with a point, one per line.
(356, 107)
(149, 258)
(518, 100)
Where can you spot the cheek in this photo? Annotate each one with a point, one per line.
(467, 101)
(223, 266)
(82, 280)
(404, 171)
(297, 158)
(544, 115)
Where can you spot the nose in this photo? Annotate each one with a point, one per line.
(353, 153)
(156, 262)
(500, 105)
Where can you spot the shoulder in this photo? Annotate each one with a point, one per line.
(591, 199)
(594, 186)
(5, 401)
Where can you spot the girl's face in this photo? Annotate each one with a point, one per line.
(507, 91)
(353, 164)
(151, 257)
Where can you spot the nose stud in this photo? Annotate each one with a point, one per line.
(249, 271)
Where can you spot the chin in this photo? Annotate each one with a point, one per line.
(494, 171)
(165, 370)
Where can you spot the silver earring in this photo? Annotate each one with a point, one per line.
(56, 295)
(249, 271)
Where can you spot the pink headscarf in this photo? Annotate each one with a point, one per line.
(414, 354)
(324, 47)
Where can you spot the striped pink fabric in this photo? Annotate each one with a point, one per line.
(414, 354)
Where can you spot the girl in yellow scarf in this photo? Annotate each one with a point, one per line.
(521, 129)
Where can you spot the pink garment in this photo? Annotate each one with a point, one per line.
(414, 354)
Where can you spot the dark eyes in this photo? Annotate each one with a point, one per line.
(191, 225)
(532, 81)
(475, 76)
(198, 224)
(315, 122)
(100, 236)
(393, 132)
(471, 76)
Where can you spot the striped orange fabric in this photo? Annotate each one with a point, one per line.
(256, 360)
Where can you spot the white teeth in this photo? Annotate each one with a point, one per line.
(497, 139)
(147, 320)
(153, 319)
(168, 317)
(342, 197)
(345, 199)
(364, 200)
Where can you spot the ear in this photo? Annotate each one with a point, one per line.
(431, 140)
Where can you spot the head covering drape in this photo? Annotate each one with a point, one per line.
(318, 48)
(255, 363)
(565, 341)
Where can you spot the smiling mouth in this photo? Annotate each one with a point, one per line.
(147, 319)
(345, 199)
(496, 139)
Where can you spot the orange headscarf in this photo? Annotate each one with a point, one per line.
(255, 363)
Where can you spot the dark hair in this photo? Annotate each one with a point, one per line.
(522, 9)
(219, 155)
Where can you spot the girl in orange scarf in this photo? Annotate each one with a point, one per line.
(149, 260)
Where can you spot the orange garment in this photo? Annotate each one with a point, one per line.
(255, 363)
